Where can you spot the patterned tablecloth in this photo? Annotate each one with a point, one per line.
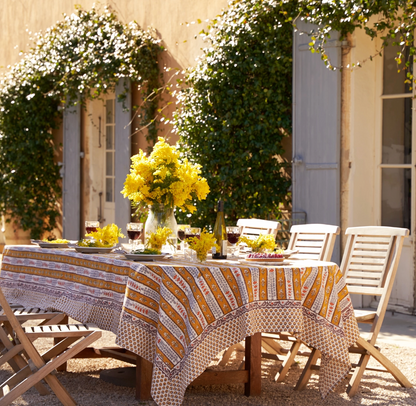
(179, 315)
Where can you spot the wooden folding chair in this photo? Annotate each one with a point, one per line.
(254, 227)
(31, 366)
(369, 264)
(23, 315)
(313, 241)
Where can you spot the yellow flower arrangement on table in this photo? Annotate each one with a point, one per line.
(165, 178)
(158, 239)
(104, 237)
(202, 244)
(261, 243)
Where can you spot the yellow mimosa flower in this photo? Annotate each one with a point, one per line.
(261, 243)
(164, 178)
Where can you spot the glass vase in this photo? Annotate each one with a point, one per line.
(162, 216)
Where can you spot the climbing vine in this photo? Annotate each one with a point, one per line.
(80, 58)
(394, 21)
(236, 102)
(236, 110)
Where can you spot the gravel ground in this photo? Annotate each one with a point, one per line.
(82, 380)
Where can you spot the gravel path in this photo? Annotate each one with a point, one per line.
(82, 380)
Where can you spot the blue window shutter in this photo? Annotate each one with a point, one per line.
(72, 173)
(316, 132)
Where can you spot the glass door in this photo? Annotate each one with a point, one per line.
(109, 161)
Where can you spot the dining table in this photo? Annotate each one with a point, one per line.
(177, 315)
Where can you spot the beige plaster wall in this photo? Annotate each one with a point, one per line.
(361, 205)
(345, 137)
(19, 19)
(364, 97)
(167, 17)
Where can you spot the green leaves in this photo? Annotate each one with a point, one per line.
(236, 111)
(84, 54)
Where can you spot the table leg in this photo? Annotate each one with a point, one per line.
(253, 365)
(144, 371)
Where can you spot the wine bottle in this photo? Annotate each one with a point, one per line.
(220, 234)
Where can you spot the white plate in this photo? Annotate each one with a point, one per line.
(264, 259)
(145, 257)
(260, 262)
(44, 244)
(92, 250)
(288, 253)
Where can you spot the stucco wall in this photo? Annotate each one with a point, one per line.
(19, 19)
(362, 202)
(363, 131)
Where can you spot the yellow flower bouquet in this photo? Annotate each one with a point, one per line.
(202, 244)
(261, 243)
(164, 178)
(104, 237)
(158, 239)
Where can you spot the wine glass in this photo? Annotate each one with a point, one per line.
(181, 234)
(190, 232)
(91, 226)
(233, 234)
(134, 231)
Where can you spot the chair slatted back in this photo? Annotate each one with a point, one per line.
(313, 241)
(254, 227)
(370, 263)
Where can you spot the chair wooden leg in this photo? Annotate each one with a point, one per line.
(306, 373)
(272, 346)
(59, 320)
(357, 375)
(227, 353)
(44, 371)
(12, 354)
(359, 371)
(288, 362)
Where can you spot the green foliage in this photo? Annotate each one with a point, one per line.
(236, 109)
(395, 23)
(236, 103)
(83, 55)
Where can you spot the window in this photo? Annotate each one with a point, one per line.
(109, 150)
(397, 144)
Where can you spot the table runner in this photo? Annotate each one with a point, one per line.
(180, 315)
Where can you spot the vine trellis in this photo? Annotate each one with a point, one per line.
(84, 55)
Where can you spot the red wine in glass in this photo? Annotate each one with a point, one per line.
(233, 237)
(90, 229)
(233, 234)
(181, 234)
(134, 234)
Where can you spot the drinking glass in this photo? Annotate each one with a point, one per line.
(181, 234)
(134, 231)
(91, 226)
(233, 234)
(191, 232)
